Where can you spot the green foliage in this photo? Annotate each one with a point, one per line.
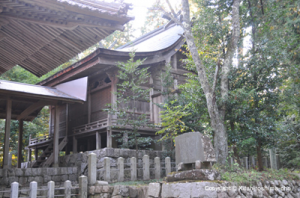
(250, 177)
(130, 91)
(153, 18)
(172, 121)
(119, 38)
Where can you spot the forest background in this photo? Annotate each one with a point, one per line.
(262, 105)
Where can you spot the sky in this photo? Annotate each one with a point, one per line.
(140, 8)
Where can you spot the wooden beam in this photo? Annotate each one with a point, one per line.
(31, 109)
(20, 143)
(56, 137)
(64, 25)
(74, 145)
(7, 134)
(98, 140)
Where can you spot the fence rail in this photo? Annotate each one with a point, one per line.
(91, 126)
(41, 139)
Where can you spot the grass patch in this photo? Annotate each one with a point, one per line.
(249, 177)
(136, 183)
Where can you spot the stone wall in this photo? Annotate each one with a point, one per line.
(80, 160)
(100, 190)
(289, 189)
(40, 175)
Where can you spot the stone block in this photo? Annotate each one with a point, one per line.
(98, 189)
(196, 174)
(63, 170)
(140, 154)
(101, 183)
(23, 180)
(133, 191)
(38, 179)
(92, 190)
(56, 178)
(107, 189)
(1, 172)
(154, 189)
(70, 170)
(64, 178)
(124, 191)
(10, 172)
(116, 191)
(19, 172)
(124, 153)
(73, 177)
(47, 178)
(52, 171)
(116, 152)
(28, 172)
(109, 152)
(30, 179)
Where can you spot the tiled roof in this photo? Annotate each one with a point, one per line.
(158, 39)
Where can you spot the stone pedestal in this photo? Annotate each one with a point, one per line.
(196, 174)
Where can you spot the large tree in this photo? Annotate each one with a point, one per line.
(219, 81)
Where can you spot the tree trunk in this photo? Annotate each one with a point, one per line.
(217, 118)
(259, 155)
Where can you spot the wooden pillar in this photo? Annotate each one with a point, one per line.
(89, 105)
(151, 105)
(98, 140)
(20, 143)
(29, 151)
(74, 145)
(56, 137)
(109, 138)
(7, 134)
(67, 129)
(174, 61)
(36, 154)
(114, 82)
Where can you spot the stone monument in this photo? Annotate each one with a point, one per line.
(194, 150)
(194, 157)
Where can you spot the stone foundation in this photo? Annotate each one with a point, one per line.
(41, 175)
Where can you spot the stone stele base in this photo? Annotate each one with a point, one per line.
(196, 174)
